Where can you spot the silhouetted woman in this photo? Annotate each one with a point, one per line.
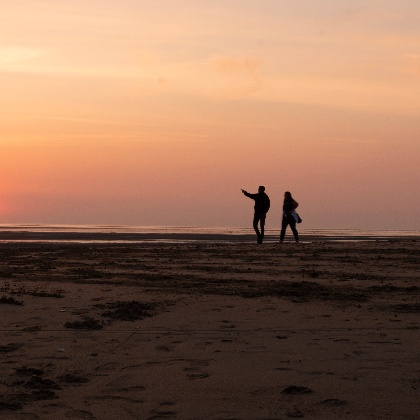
(289, 216)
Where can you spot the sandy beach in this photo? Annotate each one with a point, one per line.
(210, 330)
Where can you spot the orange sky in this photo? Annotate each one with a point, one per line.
(159, 112)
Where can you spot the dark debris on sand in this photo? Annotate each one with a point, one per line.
(69, 378)
(10, 301)
(128, 311)
(304, 291)
(294, 389)
(333, 402)
(37, 382)
(9, 348)
(8, 403)
(58, 294)
(26, 371)
(87, 324)
(33, 387)
(406, 307)
(37, 395)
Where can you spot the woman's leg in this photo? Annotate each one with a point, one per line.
(284, 224)
(293, 227)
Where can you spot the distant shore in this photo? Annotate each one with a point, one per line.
(88, 236)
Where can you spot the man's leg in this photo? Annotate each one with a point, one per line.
(262, 224)
(255, 226)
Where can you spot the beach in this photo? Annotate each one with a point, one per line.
(210, 329)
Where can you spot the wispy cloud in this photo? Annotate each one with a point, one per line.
(241, 73)
(234, 64)
(411, 64)
(18, 54)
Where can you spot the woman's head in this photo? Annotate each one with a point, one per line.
(288, 195)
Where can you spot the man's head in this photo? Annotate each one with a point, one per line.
(261, 189)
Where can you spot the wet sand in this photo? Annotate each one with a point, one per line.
(61, 234)
(210, 330)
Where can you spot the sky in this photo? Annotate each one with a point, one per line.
(158, 112)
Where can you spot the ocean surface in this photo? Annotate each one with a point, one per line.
(133, 234)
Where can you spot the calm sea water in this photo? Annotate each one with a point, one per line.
(118, 233)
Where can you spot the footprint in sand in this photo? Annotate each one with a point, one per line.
(165, 348)
(80, 414)
(296, 390)
(334, 402)
(193, 370)
(193, 376)
(161, 414)
(204, 344)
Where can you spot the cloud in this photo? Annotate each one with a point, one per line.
(232, 64)
(411, 65)
(17, 54)
(240, 73)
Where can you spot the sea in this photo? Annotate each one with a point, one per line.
(173, 234)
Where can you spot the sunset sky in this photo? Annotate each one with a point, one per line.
(158, 112)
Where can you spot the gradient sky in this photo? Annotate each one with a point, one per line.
(157, 112)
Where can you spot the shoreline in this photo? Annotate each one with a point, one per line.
(123, 237)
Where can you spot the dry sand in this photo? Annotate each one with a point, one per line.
(210, 331)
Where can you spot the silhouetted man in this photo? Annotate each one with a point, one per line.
(262, 205)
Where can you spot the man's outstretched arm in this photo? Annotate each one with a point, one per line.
(248, 194)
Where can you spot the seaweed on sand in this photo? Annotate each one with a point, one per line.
(129, 311)
(87, 324)
(10, 301)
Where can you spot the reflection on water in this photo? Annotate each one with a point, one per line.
(119, 233)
